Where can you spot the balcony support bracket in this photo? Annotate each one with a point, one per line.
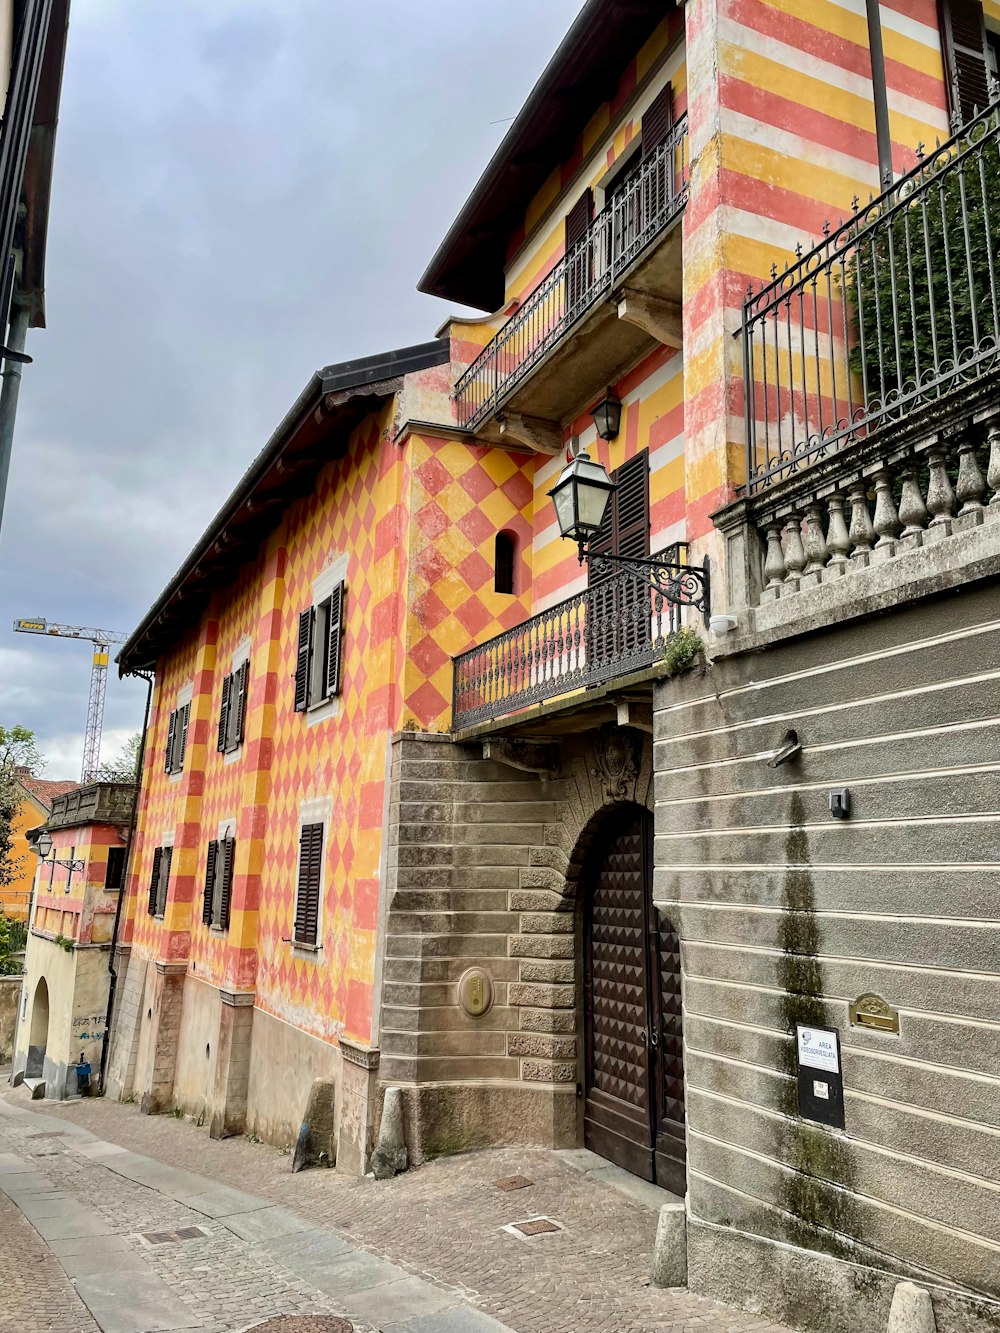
(538, 434)
(661, 319)
(639, 716)
(527, 756)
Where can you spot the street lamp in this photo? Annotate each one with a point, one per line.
(43, 850)
(581, 497)
(608, 415)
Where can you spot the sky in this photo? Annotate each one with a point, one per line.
(244, 192)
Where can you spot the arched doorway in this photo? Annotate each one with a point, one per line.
(633, 1040)
(38, 1033)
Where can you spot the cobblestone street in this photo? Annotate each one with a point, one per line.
(105, 1225)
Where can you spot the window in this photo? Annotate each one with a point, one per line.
(317, 665)
(966, 48)
(503, 563)
(993, 54)
(177, 734)
(219, 882)
(116, 868)
(233, 713)
(305, 930)
(159, 880)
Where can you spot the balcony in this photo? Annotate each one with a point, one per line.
(616, 253)
(610, 631)
(873, 393)
(96, 803)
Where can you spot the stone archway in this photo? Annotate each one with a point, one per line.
(38, 1032)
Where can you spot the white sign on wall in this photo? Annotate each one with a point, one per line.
(818, 1048)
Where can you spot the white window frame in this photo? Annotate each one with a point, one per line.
(322, 590)
(241, 655)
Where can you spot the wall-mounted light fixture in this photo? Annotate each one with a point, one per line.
(581, 497)
(608, 415)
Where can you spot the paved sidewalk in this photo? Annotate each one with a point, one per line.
(425, 1253)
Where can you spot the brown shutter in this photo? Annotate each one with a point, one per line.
(211, 865)
(227, 690)
(171, 733)
(579, 217)
(181, 736)
(631, 507)
(154, 881)
(963, 41)
(579, 265)
(164, 880)
(242, 680)
(657, 121)
(306, 619)
(226, 888)
(306, 928)
(334, 642)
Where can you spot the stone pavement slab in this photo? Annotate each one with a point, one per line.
(395, 1302)
(134, 1302)
(218, 1201)
(449, 1321)
(265, 1224)
(352, 1272)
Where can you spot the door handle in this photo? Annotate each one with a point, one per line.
(652, 1038)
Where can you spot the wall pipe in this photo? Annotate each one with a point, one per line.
(9, 394)
(126, 870)
(880, 93)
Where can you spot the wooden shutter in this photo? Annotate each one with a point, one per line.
(226, 886)
(579, 217)
(334, 642)
(304, 653)
(242, 680)
(171, 733)
(211, 870)
(227, 691)
(154, 881)
(579, 266)
(306, 928)
(183, 718)
(657, 121)
(631, 507)
(164, 880)
(963, 41)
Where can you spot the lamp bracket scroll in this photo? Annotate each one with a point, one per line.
(681, 585)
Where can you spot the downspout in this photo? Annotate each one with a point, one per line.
(123, 891)
(880, 94)
(9, 394)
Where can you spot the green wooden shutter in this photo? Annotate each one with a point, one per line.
(334, 642)
(171, 733)
(303, 655)
(306, 928)
(963, 42)
(226, 887)
(154, 881)
(242, 684)
(227, 690)
(163, 883)
(211, 867)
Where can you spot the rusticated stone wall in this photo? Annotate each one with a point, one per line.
(482, 868)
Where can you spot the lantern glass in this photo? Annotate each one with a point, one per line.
(43, 845)
(608, 416)
(581, 497)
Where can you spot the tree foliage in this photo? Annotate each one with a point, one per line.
(125, 768)
(17, 749)
(924, 290)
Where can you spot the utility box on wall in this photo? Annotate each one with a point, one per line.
(821, 1083)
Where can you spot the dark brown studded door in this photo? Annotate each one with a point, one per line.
(634, 1100)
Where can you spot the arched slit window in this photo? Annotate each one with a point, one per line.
(503, 563)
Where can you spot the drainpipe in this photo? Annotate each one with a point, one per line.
(881, 96)
(112, 971)
(8, 395)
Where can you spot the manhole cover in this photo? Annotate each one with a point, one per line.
(507, 1183)
(533, 1226)
(304, 1323)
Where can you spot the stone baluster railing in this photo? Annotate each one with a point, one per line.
(892, 505)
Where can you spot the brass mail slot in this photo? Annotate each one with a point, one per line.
(871, 1011)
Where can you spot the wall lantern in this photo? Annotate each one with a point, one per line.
(43, 845)
(581, 497)
(608, 415)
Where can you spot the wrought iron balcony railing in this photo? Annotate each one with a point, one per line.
(891, 313)
(631, 219)
(609, 630)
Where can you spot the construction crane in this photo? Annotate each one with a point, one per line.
(102, 639)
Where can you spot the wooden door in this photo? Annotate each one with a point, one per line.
(634, 1097)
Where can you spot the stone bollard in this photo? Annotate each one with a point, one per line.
(670, 1262)
(390, 1155)
(912, 1311)
(317, 1143)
